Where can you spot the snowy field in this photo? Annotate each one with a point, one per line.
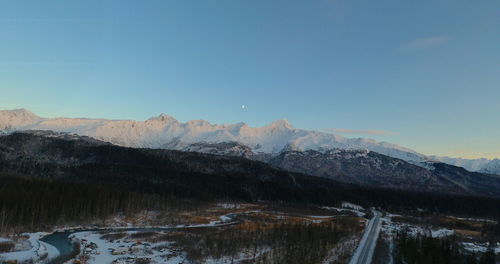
(124, 242)
(391, 228)
(96, 249)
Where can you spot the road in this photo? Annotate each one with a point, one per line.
(366, 247)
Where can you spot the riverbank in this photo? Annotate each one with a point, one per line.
(239, 231)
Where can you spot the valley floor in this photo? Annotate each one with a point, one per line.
(223, 233)
(249, 233)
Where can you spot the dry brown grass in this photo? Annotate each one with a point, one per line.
(213, 213)
(258, 226)
(114, 236)
(142, 235)
(162, 237)
(199, 219)
(6, 246)
(465, 232)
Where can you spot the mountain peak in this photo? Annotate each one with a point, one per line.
(15, 118)
(19, 112)
(164, 118)
(281, 123)
(164, 131)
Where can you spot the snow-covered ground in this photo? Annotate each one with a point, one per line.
(229, 205)
(31, 249)
(222, 221)
(391, 228)
(105, 251)
(480, 247)
(340, 210)
(480, 220)
(352, 206)
(36, 251)
(242, 257)
(443, 232)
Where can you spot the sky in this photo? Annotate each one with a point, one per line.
(422, 74)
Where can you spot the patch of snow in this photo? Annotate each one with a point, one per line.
(225, 218)
(352, 206)
(356, 212)
(131, 250)
(229, 205)
(475, 219)
(480, 247)
(444, 232)
(392, 228)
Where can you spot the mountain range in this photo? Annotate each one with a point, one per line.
(165, 132)
(48, 154)
(37, 161)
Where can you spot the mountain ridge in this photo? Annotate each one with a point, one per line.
(166, 132)
(53, 155)
(164, 129)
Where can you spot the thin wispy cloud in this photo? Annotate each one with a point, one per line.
(359, 131)
(425, 43)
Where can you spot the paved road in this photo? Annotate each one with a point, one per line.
(366, 247)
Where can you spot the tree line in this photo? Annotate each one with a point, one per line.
(421, 249)
(72, 180)
(33, 203)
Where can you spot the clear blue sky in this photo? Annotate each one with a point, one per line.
(426, 71)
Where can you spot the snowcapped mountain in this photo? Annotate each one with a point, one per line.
(480, 165)
(373, 169)
(166, 132)
(16, 118)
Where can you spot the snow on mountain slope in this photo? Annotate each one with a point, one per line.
(16, 118)
(492, 167)
(481, 165)
(165, 131)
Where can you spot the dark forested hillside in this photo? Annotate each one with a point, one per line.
(116, 171)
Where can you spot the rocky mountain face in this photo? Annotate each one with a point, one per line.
(51, 154)
(479, 165)
(167, 173)
(25, 157)
(367, 168)
(374, 169)
(480, 183)
(223, 149)
(492, 167)
(260, 143)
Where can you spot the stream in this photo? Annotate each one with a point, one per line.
(60, 239)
